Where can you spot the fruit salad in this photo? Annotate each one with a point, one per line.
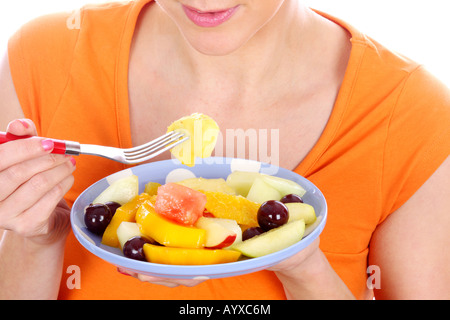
(201, 221)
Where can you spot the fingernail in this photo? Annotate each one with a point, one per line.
(120, 271)
(74, 162)
(24, 123)
(47, 144)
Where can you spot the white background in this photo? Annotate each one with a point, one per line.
(419, 29)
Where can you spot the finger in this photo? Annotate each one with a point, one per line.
(22, 127)
(16, 175)
(39, 185)
(40, 219)
(156, 280)
(17, 151)
(145, 278)
(31, 192)
(171, 283)
(299, 258)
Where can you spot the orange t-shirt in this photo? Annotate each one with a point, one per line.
(388, 132)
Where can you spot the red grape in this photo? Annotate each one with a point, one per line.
(272, 214)
(134, 248)
(97, 217)
(291, 198)
(251, 232)
(113, 206)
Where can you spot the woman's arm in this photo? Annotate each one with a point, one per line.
(411, 247)
(309, 276)
(33, 182)
(410, 250)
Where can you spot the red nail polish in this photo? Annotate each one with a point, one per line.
(121, 272)
(74, 162)
(24, 123)
(47, 144)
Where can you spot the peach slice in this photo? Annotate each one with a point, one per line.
(167, 232)
(183, 256)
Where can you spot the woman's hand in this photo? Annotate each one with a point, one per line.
(297, 261)
(34, 182)
(168, 282)
(308, 275)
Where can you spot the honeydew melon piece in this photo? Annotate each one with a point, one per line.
(299, 211)
(311, 227)
(261, 191)
(241, 181)
(284, 186)
(121, 191)
(273, 240)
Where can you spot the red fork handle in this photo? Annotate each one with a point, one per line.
(59, 145)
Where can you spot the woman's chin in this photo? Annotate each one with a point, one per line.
(215, 47)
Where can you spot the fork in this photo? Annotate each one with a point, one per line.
(133, 155)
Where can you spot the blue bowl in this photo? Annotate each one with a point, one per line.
(170, 171)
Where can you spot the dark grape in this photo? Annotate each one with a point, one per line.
(272, 214)
(291, 198)
(97, 217)
(251, 232)
(134, 248)
(113, 206)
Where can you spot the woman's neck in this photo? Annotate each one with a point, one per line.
(297, 52)
(272, 53)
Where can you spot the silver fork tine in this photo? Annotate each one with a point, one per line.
(150, 143)
(133, 155)
(149, 154)
(167, 138)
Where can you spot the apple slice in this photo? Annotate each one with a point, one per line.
(261, 191)
(126, 231)
(120, 191)
(272, 240)
(232, 225)
(299, 211)
(241, 181)
(284, 186)
(220, 233)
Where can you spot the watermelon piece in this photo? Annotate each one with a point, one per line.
(179, 203)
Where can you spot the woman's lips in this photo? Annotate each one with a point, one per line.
(210, 18)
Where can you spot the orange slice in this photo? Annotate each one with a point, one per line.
(226, 206)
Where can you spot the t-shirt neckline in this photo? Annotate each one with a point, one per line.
(306, 166)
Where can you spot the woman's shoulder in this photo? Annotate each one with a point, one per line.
(58, 33)
(45, 53)
(381, 73)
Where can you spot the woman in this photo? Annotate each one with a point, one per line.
(368, 127)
